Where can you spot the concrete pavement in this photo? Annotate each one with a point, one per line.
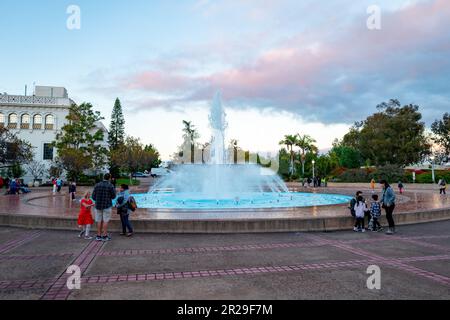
(415, 264)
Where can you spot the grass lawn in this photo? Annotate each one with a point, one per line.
(134, 182)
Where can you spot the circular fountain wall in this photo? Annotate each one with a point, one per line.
(248, 200)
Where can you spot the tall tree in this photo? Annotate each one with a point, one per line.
(393, 135)
(79, 142)
(306, 144)
(347, 157)
(290, 141)
(116, 135)
(154, 160)
(190, 135)
(441, 131)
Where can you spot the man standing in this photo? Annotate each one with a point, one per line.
(103, 195)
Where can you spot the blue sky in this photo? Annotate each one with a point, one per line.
(291, 65)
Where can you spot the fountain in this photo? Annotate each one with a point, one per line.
(222, 185)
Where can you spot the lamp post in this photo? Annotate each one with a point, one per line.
(432, 169)
(313, 163)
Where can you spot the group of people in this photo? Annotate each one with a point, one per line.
(361, 210)
(101, 200)
(13, 186)
(57, 184)
(315, 182)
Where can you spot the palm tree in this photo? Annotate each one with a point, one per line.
(204, 146)
(306, 145)
(190, 134)
(290, 141)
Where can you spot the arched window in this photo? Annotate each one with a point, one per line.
(37, 122)
(25, 121)
(49, 122)
(2, 119)
(12, 121)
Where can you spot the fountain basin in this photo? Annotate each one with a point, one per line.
(247, 200)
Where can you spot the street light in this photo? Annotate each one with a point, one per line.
(313, 162)
(432, 169)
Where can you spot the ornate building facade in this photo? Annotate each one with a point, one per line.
(37, 119)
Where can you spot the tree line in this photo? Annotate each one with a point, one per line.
(395, 136)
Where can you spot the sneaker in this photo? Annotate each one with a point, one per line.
(81, 234)
(130, 234)
(355, 229)
(380, 229)
(98, 238)
(363, 230)
(389, 232)
(106, 238)
(87, 238)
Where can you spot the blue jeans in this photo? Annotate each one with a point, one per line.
(125, 220)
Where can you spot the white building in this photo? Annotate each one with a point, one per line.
(37, 119)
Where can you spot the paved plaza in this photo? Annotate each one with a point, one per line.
(415, 264)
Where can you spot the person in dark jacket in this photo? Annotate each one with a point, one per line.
(103, 195)
(388, 203)
(72, 191)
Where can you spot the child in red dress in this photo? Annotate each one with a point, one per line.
(85, 220)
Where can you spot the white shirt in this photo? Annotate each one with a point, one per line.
(360, 207)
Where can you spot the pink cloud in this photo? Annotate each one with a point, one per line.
(303, 70)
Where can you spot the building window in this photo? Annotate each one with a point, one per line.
(2, 120)
(48, 151)
(25, 121)
(12, 121)
(49, 122)
(37, 122)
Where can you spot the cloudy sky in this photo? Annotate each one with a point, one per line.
(283, 66)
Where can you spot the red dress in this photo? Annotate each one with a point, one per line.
(85, 216)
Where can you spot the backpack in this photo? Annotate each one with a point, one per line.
(132, 204)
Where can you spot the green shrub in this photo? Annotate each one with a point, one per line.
(354, 175)
(390, 173)
(427, 177)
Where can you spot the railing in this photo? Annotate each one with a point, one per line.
(49, 127)
(24, 126)
(28, 100)
(12, 125)
(37, 126)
